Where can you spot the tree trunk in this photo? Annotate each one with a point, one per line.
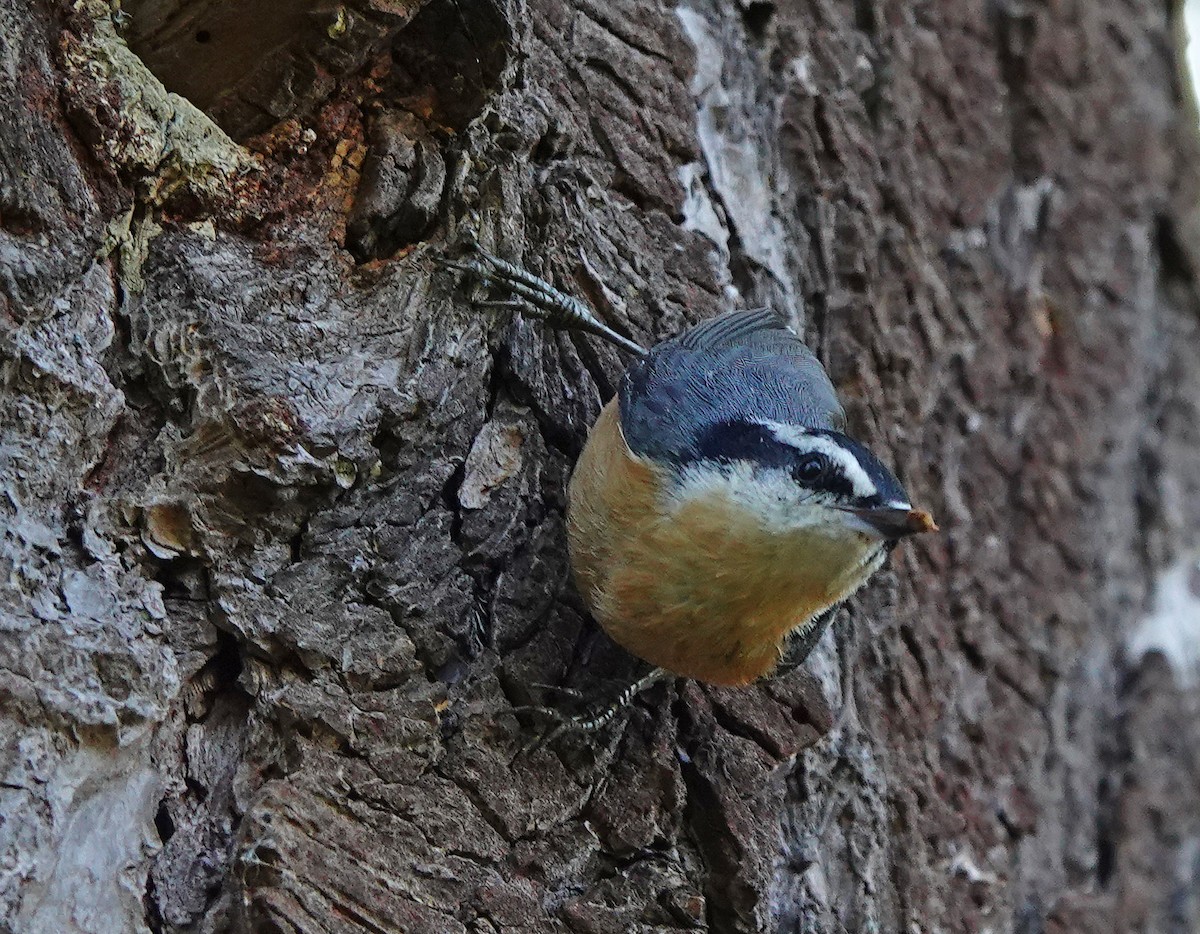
(283, 543)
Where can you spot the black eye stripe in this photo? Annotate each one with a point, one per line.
(826, 478)
(736, 440)
(886, 487)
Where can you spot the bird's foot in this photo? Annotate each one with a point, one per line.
(535, 296)
(563, 723)
(796, 649)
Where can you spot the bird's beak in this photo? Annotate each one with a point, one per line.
(894, 523)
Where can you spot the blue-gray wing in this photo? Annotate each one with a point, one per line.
(739, 366)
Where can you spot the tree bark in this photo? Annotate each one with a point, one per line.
(283, 541)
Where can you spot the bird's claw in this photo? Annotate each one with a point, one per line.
(562, 723)
(557, 689)
(535, 296)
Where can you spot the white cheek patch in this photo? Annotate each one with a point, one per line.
(805, 443)
(770, 495)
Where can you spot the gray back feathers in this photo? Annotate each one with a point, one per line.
(739, 366)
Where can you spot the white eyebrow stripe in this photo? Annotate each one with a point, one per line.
(802, 441)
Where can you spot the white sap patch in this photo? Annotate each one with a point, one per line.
(1191, 22)
(1173, 626)
(699, 212)
(741, 168)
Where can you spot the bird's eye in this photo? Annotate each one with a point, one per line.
(810, 468)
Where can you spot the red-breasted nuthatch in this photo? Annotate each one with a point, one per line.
(718, 506)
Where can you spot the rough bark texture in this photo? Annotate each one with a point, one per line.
(283, 536)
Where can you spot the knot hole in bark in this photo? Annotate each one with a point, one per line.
(249, 64)
(421, 70)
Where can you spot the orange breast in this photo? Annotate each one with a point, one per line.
(706, 592)
(611, 495)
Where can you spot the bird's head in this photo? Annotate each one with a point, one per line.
(818, 489)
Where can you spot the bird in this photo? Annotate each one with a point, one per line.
(719, 510)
